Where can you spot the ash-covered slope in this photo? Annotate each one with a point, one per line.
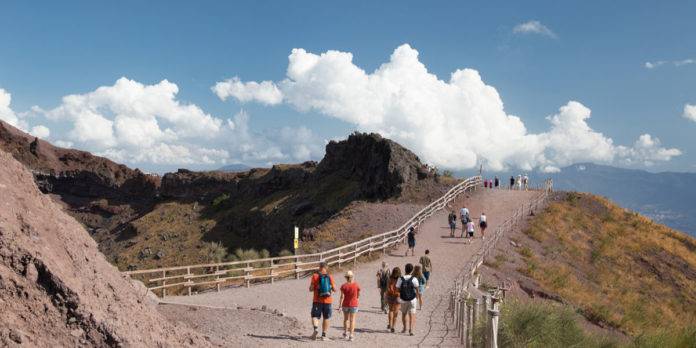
(56, 288)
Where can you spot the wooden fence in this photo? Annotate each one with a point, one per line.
(217, 275)
(473, 314)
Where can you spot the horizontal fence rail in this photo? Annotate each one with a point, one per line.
(217, 275)
(466, 310)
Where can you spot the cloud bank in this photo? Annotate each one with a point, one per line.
(137, 123)
(457, 124)
(534, 27)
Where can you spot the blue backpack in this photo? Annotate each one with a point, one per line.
(324, 285)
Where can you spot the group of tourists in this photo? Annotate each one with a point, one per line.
(491, 183)
(468, 227)
(521, 183)
(399, 292)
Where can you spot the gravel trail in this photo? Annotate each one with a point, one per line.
(448, 256)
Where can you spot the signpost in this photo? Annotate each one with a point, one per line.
(296, 243)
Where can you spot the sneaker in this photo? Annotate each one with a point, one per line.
(324, 338)
(388, 327)
(410, 333)
(352, 338)
(392, 330)
(314, 335)
(345, 335)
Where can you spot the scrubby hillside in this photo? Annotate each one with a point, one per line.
(56, 289)
(619, 270)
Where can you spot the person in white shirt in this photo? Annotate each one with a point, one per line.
(525, 181)
(519, 182)
(464, 215)
(408, 297)
(483, 224)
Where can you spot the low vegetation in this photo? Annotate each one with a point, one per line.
(619, 269)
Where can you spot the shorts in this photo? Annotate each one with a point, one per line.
(321, 309)
(453, 225)
(427, 276)
(412, 244)
(394, 307)
(483, 224)
(392, 300)
(408, 307)
(470, 233)
(350, 309)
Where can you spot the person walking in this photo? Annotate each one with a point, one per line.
(525, 182)
(322, 285)
(426, 265)
(512, 182)
(408, 297)
(452, 221)
(411, 239)
(350, 293)
(464, 216)
(496, 182)
(483, 224)
(470, 229)
(382, 282)
(519, 182)
(393, 298)
(418, 274)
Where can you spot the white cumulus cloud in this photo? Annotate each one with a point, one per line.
(689, 112)
(264, 92)
(6, 112)
(137, 123)
(533, 27)
(40, 131)
(458, 123)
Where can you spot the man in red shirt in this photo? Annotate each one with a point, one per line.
(322, 285)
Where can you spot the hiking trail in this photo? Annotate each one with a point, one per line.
(448, 255)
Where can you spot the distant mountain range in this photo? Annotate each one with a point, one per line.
(234, 168)
(668, 198)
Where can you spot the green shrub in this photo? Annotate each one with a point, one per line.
(220, 201)
(216, 252)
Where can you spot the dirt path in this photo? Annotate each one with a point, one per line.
(448, 256)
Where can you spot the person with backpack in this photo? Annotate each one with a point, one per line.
(426, 266)
(408, 297)
(411, 238)
(464, 216)
(322, 285)
(393, 298)
(382, 282)
(452, 221)
(512, 182)
(418, 274)
(350, 292)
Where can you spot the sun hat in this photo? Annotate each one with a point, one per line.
(349, 274)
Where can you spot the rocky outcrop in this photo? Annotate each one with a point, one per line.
(56, 288)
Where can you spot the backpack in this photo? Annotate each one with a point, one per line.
(392, 291)
(407, 291)
(324, 285)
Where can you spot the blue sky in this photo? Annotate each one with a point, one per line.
(595, 54)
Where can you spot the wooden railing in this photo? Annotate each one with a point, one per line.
(465, 309)
(217, 275)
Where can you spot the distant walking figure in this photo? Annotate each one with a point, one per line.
(408, 296)
(418, 274)
(382, 282)
(512, 182)
(519, 182)
(350, 292)
(393, 298)
(525, 182)
(464, 216)
(411, 238)
(452, 221)
(322, 284)
(496, 182)
(470, 229)
(483, 224)
(426, 266)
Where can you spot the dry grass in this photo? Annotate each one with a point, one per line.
(618, 268)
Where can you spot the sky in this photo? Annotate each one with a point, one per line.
(538, 85)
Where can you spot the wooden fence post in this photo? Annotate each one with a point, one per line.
(164, 283)
(493, 314)
(270, 271)
(247, 274)
(188, 272)
(297, 268)
(355, 257)
(217, 277)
